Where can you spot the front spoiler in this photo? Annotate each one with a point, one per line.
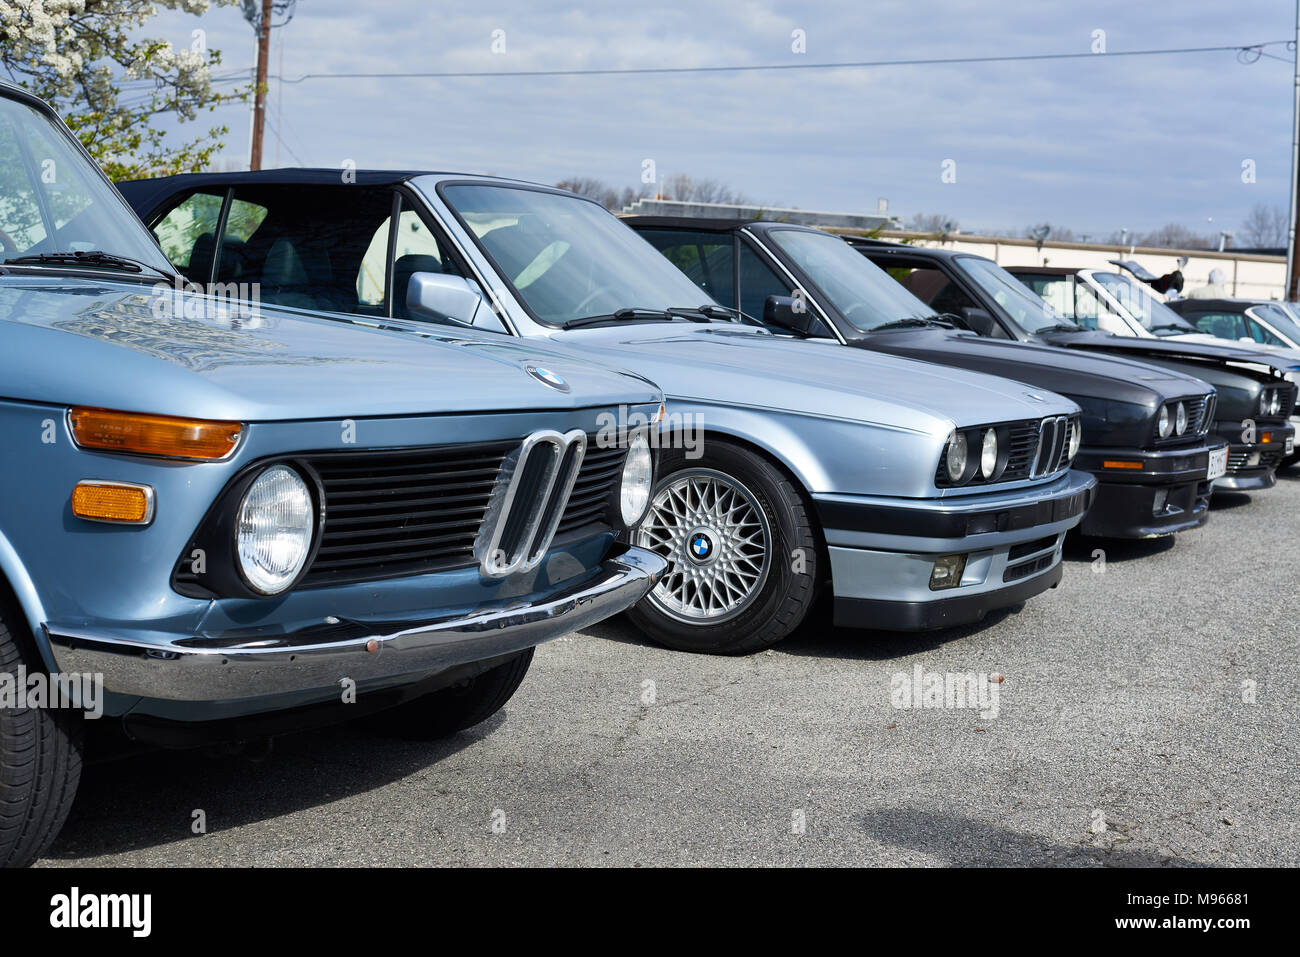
(942, 612)
(212, 668)
(1127, 497)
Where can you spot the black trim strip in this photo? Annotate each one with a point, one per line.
(888, 520)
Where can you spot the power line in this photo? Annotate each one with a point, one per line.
(1255, 49)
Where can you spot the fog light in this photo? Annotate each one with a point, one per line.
(1252, 460)
(1162, 499)
(947, 572)
(122, 503)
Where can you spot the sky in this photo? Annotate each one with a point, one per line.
(1094, 144)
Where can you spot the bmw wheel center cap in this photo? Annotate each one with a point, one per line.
(700, 546)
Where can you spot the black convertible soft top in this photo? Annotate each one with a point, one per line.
(146, 193)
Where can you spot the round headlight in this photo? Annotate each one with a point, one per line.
(1180, 419)
(274, 530)
(1264, 399)
(1275, 404)
(955, 460)
(1076, 439)
(1163, 424)
(638, 474)
(989, 454)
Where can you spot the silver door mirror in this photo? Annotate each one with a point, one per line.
(442, 298)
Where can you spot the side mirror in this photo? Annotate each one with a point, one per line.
(980, 320)
(781, 311)
(442, 298)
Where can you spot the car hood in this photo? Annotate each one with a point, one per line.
(1250, 347)
(1217, 352)
(734, 365)
(1072, 373)
(110, 344)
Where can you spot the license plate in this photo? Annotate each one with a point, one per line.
(1218, 464)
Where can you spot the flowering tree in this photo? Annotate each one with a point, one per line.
(114, 88)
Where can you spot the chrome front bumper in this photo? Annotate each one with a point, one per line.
(225, 668)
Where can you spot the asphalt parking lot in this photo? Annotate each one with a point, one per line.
(1124, 734)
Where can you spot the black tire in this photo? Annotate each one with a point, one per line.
(457, 707)
(778, 602)
(40, 758)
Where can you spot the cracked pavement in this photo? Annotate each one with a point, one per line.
(1125, 736)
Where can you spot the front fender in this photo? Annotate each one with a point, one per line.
(825, 455)
(29, 600)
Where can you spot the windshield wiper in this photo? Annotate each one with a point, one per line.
(1171, 325)
(731, 313)
(636, 312)
(92, 257)
(911, 322)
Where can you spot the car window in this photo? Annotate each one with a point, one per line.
(1067, 296)
(567, 258)
(758, 281)
(932, 286)
(52, 200)
(417, 248)
(1262, 335)
(1027, 310)
(188, 234)
(859, 289)
(1224, 325)
(304, 246)
(1142, 304)
(1278, 317)
(707, 258)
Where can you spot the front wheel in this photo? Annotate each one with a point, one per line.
(457, 707)
(741, 549)
(40, 760)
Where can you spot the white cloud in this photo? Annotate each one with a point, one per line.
(1091, 144)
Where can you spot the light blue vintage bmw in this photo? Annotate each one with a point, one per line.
(920, 496)
(221, 521)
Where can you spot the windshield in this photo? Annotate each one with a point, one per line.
(1143, 305)
(1029, 311)
(568, 258)
(862, 292)
(53, 201)
(1281, 319)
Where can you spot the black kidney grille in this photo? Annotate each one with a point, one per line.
(1022, 443)
(405, 512)
(601, 471)
(1196, 413)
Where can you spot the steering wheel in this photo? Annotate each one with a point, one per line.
(578, 309)
(859, 310)
(9, 245)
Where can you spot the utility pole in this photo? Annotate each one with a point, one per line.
(259, 93)
(259, 14)
(1295, 170)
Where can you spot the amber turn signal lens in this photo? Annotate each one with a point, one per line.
(1265, 438)
(153, 434)
(1121, 465)
(119, 502)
